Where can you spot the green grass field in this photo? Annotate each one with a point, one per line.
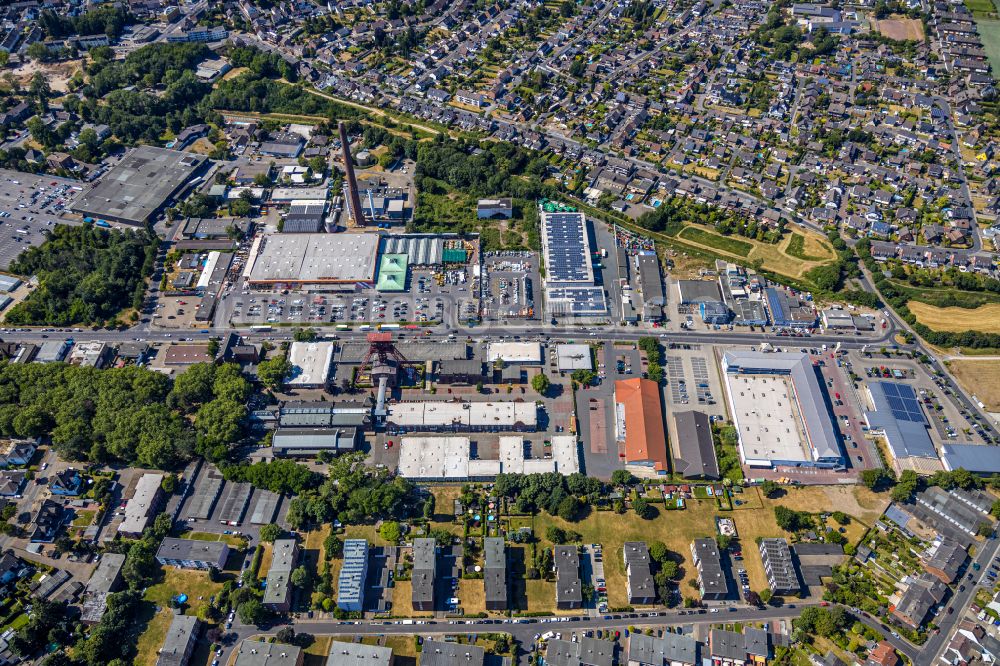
(797, 248)
(723, 243)
(989, 31)
(982, 8)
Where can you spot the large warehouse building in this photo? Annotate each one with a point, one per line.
(639, 423)
(139, 186)
(781, 410)
(299, 260)
(570, 287)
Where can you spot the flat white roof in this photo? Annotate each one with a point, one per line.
(514, 352)
(448, 458)
(469, 414)
(574, 357)
(434, 457)
(311, 363)
(315, 258)
(767, 419)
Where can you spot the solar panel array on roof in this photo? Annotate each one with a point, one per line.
(577, 300)
(566, 248)
(903, 402)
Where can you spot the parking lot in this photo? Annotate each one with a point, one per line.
(510, 283)
(29, 206)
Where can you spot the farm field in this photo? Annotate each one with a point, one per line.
(981, 379)
(985, 318)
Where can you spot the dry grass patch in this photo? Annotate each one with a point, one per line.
(472, 595)
(985, 318)
(981, 378)
(195, 584)
(900, 29)
(402, 600)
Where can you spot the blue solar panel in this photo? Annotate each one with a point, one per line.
(903, 403)
(568, 259)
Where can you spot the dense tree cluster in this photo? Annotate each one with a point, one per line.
(558, 495)
(47, 624)
(353, 493)
(110, 20)
(279, 476)
(86, 275)
(496, 169)
(114, 415)
(791, 520)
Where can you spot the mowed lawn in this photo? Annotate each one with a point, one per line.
(195, 584)
(981, 379)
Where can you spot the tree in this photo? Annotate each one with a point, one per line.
(390, 531)
(540, 383)
(769, 488)
(723, 541)
(429, 506)
(840, 517)
(984, 529)
(270, 533)
(333, 546)
(272, 372)
(169, 483)
(252, 612)
(877, 479)
(670, 569)
(641, 507)
(621, 477)
(300, 577)
(658, 551)
(285, 635)
(555, 534)
(791, 521)
(569, 508)
(765, 596)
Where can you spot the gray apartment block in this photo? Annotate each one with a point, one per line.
(357, 654)
(587, 652)
(105, 580)
(351, 584)
(495, 573)
(180, 641)
(278, 593)
(436, 653)
(778, 566)
(424, 574)
(569, 589)
(259, 653)
(711, 577)
(641, 588)
(192, 553)
(670, 649)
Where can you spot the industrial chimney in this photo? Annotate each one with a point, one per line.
(353, 200)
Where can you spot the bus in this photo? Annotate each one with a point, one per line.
(343, 327)
(260, 329)
(364, 327)
(22, 231)
(389, 327)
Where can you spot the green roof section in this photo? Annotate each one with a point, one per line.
(392, 272)
(453, 256)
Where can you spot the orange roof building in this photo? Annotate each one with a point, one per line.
(639, 422)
